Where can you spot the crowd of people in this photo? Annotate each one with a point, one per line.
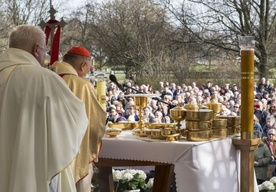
(121, 107)
(170, 95)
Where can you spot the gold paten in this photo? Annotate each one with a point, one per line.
(125, 125)
(113, 132)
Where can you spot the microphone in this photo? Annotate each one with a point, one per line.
(114, 80)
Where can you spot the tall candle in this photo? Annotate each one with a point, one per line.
(101, 93)
(247, 90)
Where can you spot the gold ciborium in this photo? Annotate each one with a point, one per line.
(178, 114)
(215, 107)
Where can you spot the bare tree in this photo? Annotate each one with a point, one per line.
(4, 29)
(16, 12)
(126, 34)
(219, 23)
(25, 11)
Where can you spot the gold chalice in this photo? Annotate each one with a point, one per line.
(141, 102)
(178, 114)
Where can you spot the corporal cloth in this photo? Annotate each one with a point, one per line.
(42, 124)
(84, 90)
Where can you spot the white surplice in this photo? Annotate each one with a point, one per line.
(42, 124)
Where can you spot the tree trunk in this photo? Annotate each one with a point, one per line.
(262, 65)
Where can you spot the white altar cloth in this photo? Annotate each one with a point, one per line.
(209, 166)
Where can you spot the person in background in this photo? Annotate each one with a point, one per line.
(262, 158)
(166, 119)
(158, 117)
(121, 98)
(206, 98)
(272, 109)
(231, 104)
(153, 105)
(270, 141)
(174, 103)
(271, 102)
(114, 116)
(167, 91)
(268, 87)
(264, 101)
(129, 91)
(130, 101)
(75, 65)
(179, 99)
(270, 124)
(42, 123)
(147, 115)
(260, 113)
(261, 84)
(119, 108)
(131, 113)
(111, 96)
(234, 88)
(237, 97)
(256, 125)
(178, 91)
(225, 111)
(258, 96)
(236, 109)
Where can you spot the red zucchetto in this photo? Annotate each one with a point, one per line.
(78, 50)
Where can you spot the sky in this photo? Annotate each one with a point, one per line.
(68, 5)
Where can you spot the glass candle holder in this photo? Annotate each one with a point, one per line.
(247, 42)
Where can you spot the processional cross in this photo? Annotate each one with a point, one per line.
(52, 29)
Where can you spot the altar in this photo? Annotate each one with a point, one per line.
(209, 166)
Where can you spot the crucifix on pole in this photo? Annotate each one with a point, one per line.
(52, 29)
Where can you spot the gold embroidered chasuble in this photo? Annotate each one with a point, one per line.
(84, 90)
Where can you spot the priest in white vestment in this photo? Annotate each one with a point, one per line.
(42, 123)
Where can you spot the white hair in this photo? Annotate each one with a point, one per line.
(25, 37)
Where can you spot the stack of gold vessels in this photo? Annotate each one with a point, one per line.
(233, 124)
(198, 124)
(201, 123)
(219, 129)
